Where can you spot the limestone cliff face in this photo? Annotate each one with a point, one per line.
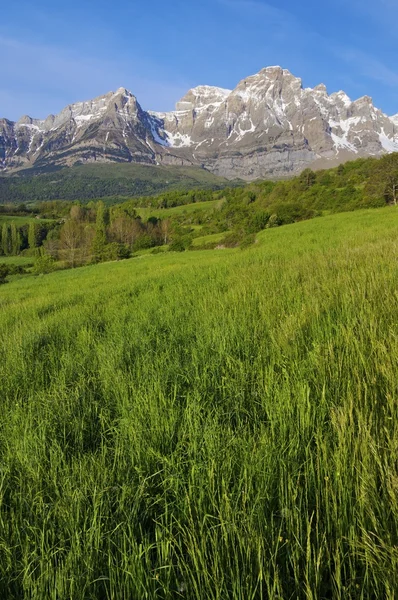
(109, 128)
(268, 126)
(271, 126)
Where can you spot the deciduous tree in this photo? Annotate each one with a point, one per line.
(71, 242)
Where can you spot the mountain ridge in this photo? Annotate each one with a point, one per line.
(268, 126)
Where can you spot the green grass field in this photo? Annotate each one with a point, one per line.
(209, 239)
(177, 211)
(19, 221)
(206, 425)
(17, 260)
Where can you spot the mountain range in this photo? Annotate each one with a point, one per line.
(269, 126)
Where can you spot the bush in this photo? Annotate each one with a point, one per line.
(143, 242)
(247, 241)
(17, 269)
(115, 251)
(43, 264)
(232, 240)
(180, 244)
(273, 221)
(4, 271)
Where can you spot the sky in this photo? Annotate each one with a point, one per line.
(53, 54)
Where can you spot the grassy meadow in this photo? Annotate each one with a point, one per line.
(20, 221)
(206, 425)
(195, 209)
(16, 260)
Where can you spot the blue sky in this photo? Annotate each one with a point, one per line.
(53, 54)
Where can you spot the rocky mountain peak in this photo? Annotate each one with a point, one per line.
(321, 88)
(122, 91)
(202, 96)
(270, 75)
(268, 126)
(25, 120)
(364, 101)
(275, 72)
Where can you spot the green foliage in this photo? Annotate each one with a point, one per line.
(6, 239)
(33, 236)
(95, 232)
(115, 251)
(143, 242)
(100, 238)
(233, 239)
(307, 179)
(180, 244)
(247, 241)
(157, 250)
(15, 239)
(384, 180)
(112, 181)
(43, 264)
(4, 271)
(10, 269)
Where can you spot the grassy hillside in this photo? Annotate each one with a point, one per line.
(86, 182)
(206, 425)
(185, 210)
(16, 260)
(20, 221)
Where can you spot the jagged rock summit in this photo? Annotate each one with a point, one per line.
(268, 126)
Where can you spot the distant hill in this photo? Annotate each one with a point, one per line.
(106, 180)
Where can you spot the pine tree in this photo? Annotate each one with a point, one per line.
(15, 240)
(5, 239)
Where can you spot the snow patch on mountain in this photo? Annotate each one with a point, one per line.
(155, 127)
(389, 144)
(269, 125)
(179, 140)
(394, 119)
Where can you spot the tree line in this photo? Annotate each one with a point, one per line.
(16, 239)
(77, 234)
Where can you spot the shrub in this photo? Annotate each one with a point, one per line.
(4, 271)
(179, 244)
(115, 251)
(43, 264)
(273, 221)
(232, 240)
(247, 241)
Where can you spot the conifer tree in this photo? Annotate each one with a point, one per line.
(15, 240)
(100, 238)
(32, 236)
(5, 239)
